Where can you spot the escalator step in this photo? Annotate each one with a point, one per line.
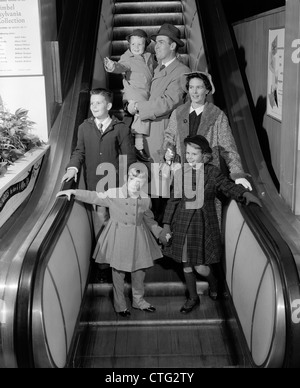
(120, 33)
(148, 7)
(155, 347)
(148, 19)
(165, 339)
(143, 1)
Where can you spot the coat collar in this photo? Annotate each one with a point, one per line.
(125, 195)
(209, 117)
(114, 122)
(128, 55)
(168, 70)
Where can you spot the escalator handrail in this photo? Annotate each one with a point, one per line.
(48, 235)
(258, 219)
(42, 247)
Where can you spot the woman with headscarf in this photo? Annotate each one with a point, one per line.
(200, 117)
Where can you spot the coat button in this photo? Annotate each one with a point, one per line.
(185, 121)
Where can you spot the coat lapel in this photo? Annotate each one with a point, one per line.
(209, 117)
(165, 72)
(185, 117)
(206, 175)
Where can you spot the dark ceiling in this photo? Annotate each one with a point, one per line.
(241, 9)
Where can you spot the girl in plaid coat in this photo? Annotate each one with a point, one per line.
(195, 230)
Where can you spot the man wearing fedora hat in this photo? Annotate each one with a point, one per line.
(166, 92)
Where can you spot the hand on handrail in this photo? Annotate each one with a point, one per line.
(72, 173)
(66, 193)
(250, 198)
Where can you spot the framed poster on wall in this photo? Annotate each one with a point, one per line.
(275, 73)
(20, 38)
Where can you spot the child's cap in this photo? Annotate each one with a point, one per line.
(201, 142)
(141, 34)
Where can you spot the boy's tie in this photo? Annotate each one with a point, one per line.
(162, 68)
(100, 127)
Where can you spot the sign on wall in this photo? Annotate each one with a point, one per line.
(20, 38)
(275, 73)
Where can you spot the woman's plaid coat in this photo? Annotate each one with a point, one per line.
(200, 227)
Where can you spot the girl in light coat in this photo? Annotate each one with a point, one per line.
(127, 243)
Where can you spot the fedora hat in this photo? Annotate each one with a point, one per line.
(171, 32)
(187, 76)
(141, 34)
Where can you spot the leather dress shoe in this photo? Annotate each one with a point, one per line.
(142, 156)
(190, 305)
(125, 314)
(149, 309)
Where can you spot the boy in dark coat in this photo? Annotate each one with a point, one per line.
(101, 139)
(195, 229)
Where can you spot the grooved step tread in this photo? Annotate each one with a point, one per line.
(120, 33)
(148, 7)
(164, 339)
(155, 348)
(99, 310)
(148, 19)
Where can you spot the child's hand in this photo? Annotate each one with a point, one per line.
(166, 235)
(250, 198)
(109, 64)
(244, 182)
(70, 174)
(66, 193)
(169, 156)
(132, 107)
(164, 238)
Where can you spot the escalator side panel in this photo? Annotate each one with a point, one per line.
(256, 289)
(279, 226)
(43, 213)
(59, 291)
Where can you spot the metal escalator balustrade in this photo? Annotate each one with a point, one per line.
(233, 96)
(40, 306)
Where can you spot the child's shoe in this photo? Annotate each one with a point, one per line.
(142, 155)
(125, 314)
(190, 305)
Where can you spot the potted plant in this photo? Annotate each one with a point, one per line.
(16, 137)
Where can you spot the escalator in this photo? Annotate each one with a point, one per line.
(78, 38)
(55, 315)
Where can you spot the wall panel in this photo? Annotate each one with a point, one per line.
(252, 39)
